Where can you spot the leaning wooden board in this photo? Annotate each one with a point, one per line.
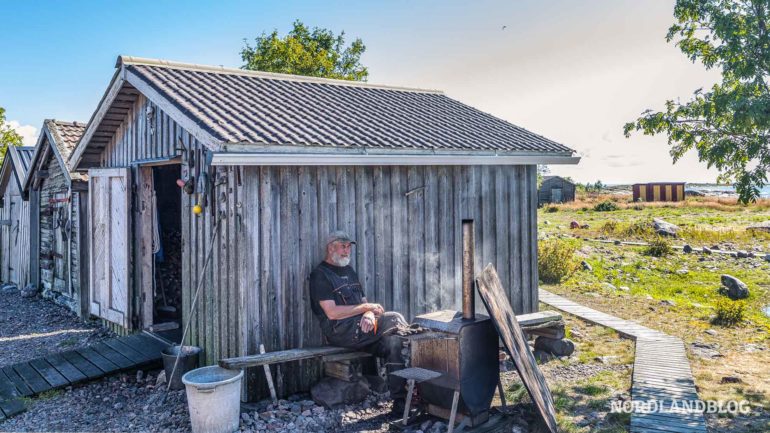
(499, 308)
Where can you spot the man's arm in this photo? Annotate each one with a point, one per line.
(337, 312)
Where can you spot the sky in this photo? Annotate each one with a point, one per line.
(574, 72)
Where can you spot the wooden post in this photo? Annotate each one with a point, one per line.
(408, 401)
(453, 414)
(268, 376)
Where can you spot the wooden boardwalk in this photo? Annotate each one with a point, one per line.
(59, 370)
(663, 392)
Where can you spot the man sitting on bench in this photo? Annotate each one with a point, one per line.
(348, 320)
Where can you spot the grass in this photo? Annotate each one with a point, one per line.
(690, 281)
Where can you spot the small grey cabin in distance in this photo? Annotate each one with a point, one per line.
(273, 163)
(555, 189)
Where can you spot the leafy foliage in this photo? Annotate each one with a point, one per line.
(658, 248)
(729, 125)
(8, 136)
(555, 260)
(729, 312)
(316, 53)
(606, 206)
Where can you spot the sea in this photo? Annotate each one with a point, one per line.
(723, 190)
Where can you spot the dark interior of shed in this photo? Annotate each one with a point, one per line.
(167, 281)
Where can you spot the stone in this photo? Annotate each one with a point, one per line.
(29, 291)
(542, 356)
(711, 332)
(730, 379)
(586, 266)
(625, 288)
(664, 228)
(668, 302)
(687, 249)
(161, 378)
(706, 250)
(609, 286)
(558, 347)
(8, 288)
(605, 359)
(117, 406)
(330, 392)
(617, 242)
(139, 375)
(742, 254)
(735, 288)
(574, 225)
(682, 271)
(761, 227)
(751, 254)
(767, 258)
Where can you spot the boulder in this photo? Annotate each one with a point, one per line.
(557, 347)
(735, 288)
(687, 249)
(664, 228)
(330, 392)
(767, 258)
(742, 254)
(761, 227)
(30, 291)
(574, 225)
(706, 250)
(587, 266)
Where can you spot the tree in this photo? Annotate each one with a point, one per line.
(8, 136)
(316, 53)
(728, 125)
(542, 172)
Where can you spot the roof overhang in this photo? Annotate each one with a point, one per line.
(45, 143)
(280, 156)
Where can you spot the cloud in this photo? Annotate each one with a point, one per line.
(28, 132)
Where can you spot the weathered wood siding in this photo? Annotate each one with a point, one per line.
(14, 237)
(406, 221)
(407, 225)
(567, 190)
(60, 246)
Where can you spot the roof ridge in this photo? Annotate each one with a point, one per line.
(142, 61)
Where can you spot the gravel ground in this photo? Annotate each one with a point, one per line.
(33, 327)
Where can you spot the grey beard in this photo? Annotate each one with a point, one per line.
(340, 261)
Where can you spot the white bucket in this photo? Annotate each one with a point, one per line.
(214, 399)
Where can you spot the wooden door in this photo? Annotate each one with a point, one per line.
(14, 241)
(109, 230)
(5, 234)
(60, 219)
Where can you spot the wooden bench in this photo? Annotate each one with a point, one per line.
(543, 323)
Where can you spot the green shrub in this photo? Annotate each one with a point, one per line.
(639, 229)
(556, 260)
(552, 209)
(606, 206)
(609, 227)
(729, 313)
(658, 248)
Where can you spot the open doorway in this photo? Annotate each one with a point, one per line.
(167, 252)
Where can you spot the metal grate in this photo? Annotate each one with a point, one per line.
(417, 374)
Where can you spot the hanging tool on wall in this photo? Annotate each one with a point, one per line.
(204, 185)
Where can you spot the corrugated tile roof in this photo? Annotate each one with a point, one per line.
(66, 136)
(244, 107)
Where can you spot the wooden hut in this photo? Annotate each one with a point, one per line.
(660, 191)
(58, 198)
(14, 217)
(276, 162)
(555, 189)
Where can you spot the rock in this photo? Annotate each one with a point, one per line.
(376, 383)
(687, 249)
(545, 222)
(707, 250)
(751, 254)
(625, 288)
(584, 226)
(331, 392)
(245, 417)
(761, 227)
(668, 302)
(664, 228)
(542, 356)
(161, 378)
(682, 271)
(558, 347)
(30, 291)
(711, 332)
(586, 266)
(605, 359)
(609, 286)
(736, 289)
(574, 225)
(730, 379)
(648, 297)
(742, 254)
(139, 375)
(8, 288)
(117, 406)
(617, 242)
(767, 257)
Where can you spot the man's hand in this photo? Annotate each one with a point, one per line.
(375, 308)
(367, 322)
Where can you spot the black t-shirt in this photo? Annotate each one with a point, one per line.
(322, 289)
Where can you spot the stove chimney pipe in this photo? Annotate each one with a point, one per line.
(469, 299)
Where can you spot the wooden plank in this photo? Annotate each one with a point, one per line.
(12, 407)
(8, 390)
(21, 386)
(49, 373)
(132, 354)
(281, 356)
(115, 357)
(69, 371)
(98, 360)
(148, 346)
(499, 308)
(85, 367)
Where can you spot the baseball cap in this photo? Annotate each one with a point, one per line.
(339, 235)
